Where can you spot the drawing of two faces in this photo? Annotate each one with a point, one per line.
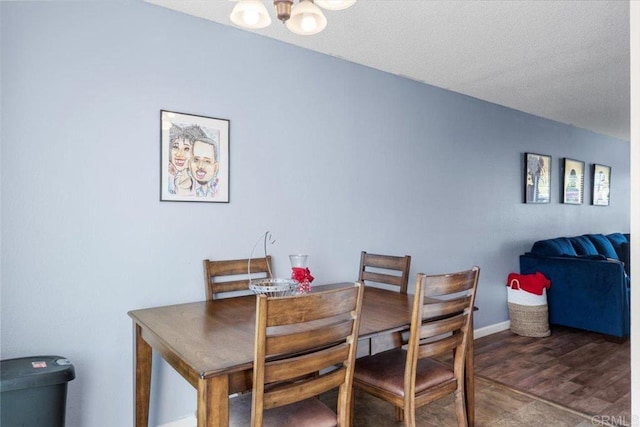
(193, 162)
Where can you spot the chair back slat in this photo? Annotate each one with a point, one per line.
(441, 346)
(225, 276)
(305, 364)
(294, 392)
(387, 270)
(299, 341)
(388, 262)
(448, 284)
(230, 286)
(389, 279)
(444, 308)
(316, 306)
(447, 325)
(305, 345)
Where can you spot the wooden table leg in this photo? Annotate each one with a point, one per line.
(213, 401)
(469, 378)
(142, 379)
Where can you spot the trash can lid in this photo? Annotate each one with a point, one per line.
(35, 371)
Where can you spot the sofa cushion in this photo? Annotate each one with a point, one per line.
(553, 247)
(603, 245)
(617, 239)
(583, 245)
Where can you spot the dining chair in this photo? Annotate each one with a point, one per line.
(385, 269)
(223, 277)
(376, 270)
(305, 345)
(410, 377)
(231, 278)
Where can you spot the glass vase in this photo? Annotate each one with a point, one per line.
(300, 272)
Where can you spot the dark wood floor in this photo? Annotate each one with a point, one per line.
(496, 406)
(577, 369)
(581, 380)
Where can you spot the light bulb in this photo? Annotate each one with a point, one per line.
(306, 19)
(250, 17)
(308, 22)
(250, 14)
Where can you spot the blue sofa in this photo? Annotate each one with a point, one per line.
(590, 280)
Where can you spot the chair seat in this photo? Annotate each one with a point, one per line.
(386, 371)
(306, 413)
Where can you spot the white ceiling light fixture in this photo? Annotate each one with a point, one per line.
(304, 18)
(250, 14)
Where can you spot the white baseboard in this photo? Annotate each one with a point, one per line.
(191, 421)
(491, 329)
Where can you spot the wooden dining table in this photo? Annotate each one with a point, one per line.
(210, 343)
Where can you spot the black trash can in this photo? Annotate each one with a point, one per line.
(34, 391)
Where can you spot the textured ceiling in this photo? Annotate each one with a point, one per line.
(563, 60)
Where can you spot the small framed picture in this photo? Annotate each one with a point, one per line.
(537, 178)
(573, 183)
(601, 183)
(194, 158)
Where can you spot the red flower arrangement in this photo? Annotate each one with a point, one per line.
(303, 276)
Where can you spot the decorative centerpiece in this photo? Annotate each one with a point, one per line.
(300, 273)
(270, 286)
(274, 287)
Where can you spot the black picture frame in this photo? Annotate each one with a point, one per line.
(600, 185)
(573, 181)
(537, 178)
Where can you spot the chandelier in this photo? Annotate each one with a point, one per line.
(304, 18)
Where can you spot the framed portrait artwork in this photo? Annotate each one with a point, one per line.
(601, 183)
(573, 183)
(537, 178)
(194, 158)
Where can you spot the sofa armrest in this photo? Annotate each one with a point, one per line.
(625, 256)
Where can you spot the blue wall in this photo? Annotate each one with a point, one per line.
(345, 159)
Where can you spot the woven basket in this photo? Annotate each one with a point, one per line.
(529, 320)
